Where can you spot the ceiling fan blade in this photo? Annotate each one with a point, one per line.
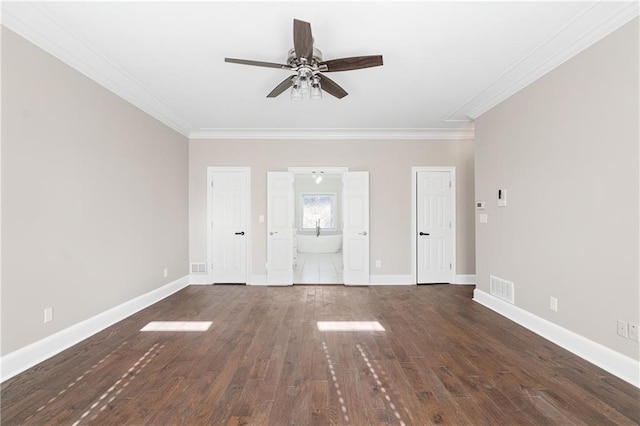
(257, 63)
(354, 63)
(302, 39)
(286, 83)
(331, 87)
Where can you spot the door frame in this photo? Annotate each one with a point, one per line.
(414, 215)
(210, 171)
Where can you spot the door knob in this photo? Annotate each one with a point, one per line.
(273, 232)
(240, 233)
(362, 233)
(423, 233)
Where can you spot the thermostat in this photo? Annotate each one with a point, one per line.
(502, 197)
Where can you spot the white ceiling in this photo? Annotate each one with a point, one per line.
(445, 63)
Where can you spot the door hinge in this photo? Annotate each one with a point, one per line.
(449, 184)
(450, 266)
(212, 183)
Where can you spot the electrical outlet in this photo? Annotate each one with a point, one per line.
(633, 331)
(553, 304)
(622, 329)
(48, 315)
(165, 272)
(378, 263)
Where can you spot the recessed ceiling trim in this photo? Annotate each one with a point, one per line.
(37, 26)
(522, 75)
(416, 134)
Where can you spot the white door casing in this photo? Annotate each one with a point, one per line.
(434, 227)
(229, 233)
(356, 227)
(280, 228)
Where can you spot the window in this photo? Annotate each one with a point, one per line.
(319, 209)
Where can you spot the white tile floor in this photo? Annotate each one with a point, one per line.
(318, 269)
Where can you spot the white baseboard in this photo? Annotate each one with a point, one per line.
(391, 280)
(30, 355)
(622, 366)
(199, 279)
(373, 280)
(464, 279)
(195, 279)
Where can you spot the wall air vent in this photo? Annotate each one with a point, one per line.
(502, 289)
(199, 268)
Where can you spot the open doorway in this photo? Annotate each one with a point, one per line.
(318, 257)
(283, 230)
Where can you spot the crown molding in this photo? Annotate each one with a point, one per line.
(34, 24)
(414, 133)
(589, 28)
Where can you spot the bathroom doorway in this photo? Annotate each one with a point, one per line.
(286, 228)
(318, 225)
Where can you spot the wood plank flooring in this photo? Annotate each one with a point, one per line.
(442, 359)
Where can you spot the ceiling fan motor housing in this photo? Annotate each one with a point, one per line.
(294, 61)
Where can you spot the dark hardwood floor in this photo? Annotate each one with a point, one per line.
(442, 359)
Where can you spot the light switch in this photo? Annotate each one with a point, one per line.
(261, 218)
(484, 218)
(48, 314)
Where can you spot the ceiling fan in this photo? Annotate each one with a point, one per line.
(306, 61)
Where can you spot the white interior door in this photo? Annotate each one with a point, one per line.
(434, 233)
(280, 228)
(356, 227)
(229, 231)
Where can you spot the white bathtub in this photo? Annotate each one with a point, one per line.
(327, 242)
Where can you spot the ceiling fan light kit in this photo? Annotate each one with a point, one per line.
(306, 62)
(315, 92)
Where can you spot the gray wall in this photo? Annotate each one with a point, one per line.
(389, 163)
(566, 149)
(94, 197)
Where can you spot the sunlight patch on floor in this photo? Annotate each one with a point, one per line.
(121, 384)
(332, 370)
(379, 383)
(350, 326)
(177, 326)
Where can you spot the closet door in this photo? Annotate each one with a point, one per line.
(434, 239)
(229, 225)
